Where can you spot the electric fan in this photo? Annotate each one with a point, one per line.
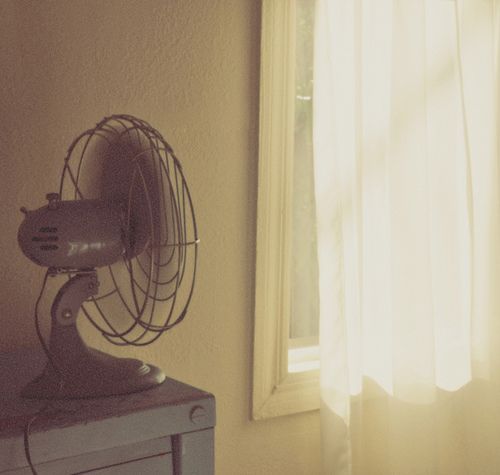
(123, 207)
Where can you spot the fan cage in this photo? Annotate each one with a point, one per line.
(154, 285)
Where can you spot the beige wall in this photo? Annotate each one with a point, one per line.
(189, 67)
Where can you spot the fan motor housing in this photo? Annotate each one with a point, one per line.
(73, 234)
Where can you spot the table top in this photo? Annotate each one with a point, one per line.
(67, 425)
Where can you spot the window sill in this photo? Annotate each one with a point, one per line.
(298, 392)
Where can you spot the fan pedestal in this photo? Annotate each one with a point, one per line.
(76, 371)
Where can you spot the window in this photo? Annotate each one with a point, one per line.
(286, 356)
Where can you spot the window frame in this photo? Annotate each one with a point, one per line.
(276, 392)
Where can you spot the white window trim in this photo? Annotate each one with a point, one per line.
(276, 391)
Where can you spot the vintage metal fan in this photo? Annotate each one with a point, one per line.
(124, 207)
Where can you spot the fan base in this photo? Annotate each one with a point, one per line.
(98, 375)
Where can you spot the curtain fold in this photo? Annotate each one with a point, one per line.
(406, 100)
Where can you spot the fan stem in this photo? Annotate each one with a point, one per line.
(83, 371)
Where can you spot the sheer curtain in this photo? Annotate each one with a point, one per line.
(406, 148)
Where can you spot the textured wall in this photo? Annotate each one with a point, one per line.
(189, 67)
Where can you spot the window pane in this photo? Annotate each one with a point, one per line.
(304, 317)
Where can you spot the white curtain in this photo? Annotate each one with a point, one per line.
(406, 141)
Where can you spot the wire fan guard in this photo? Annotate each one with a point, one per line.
(124, 160)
